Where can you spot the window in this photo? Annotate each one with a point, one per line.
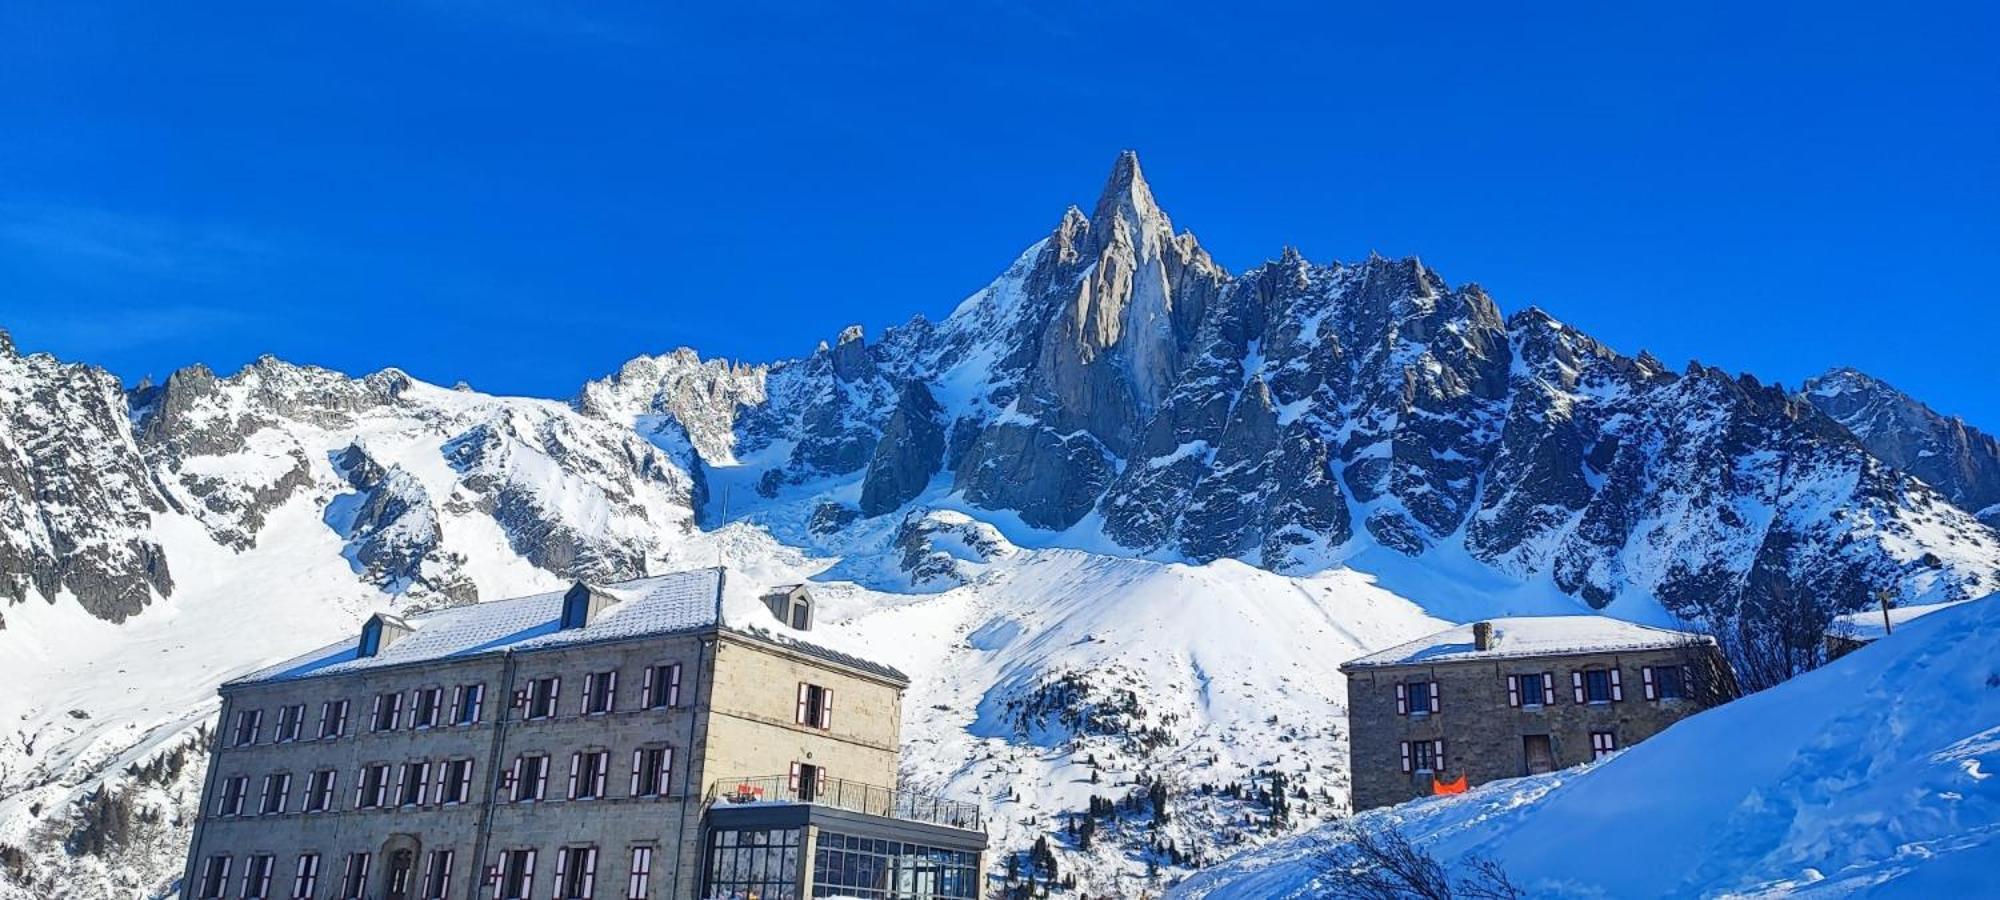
(354, 877)
(319, 791)
(1665, 682)
(847, 866)
(815, 706)
(230, 802)
(415, 784)
(371, 790)
(1597, 686)
(806, 781)
(529, 779)
(640, 885)
(291, 722)
(214, 878)
(652, 768)
(455, 781)
(1416, 698)
(662, 687)
(305, 883)
(332, 719)
(1422, 757)
(388, 712)
(437, 876)
(600, 693)
(466, 700)
(1602, 744)
(425, 706)
(517, 875)
(277, 788)
(539, 699)
(257, 877)
(576, 873)
(248, 723)
(586, 776)
(762, 863)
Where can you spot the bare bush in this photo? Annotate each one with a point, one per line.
(1363, 864)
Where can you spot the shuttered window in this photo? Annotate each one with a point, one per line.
(661, 688)
(815, 707)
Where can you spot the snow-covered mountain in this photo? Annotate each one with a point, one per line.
(1869, 777)
(1137, 509)
(1959, 460)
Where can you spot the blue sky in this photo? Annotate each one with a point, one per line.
(523, 195)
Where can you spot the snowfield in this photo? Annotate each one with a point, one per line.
(1869, 777)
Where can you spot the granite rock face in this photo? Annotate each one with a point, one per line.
(909, 453)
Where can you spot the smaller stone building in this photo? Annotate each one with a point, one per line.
(1516, 696)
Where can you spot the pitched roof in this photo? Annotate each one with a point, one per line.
(1527, 636)
(676, 603)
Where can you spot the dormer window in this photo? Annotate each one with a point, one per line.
(582, 604)
(792, 606)
(380, 631)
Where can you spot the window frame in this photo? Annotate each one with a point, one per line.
(283, 783)
(305, 876)
(815, 706)
(639, 874)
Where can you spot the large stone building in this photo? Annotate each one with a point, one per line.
(659, 738)
(1517, 696)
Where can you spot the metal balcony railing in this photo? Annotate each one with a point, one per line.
(854, 796)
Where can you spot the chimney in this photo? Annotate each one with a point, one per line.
(1482, 636)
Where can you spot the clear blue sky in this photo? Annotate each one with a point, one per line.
(523, 195)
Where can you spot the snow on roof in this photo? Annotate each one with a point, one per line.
(676, 603)
(1866, 625)
(1525, 636)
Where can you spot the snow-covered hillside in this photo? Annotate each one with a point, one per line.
(1871, 777)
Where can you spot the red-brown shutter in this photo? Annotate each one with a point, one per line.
(674, 685)
(1548, 688)
(1646, 676)
(826, 708)
(799, 716)
(646, 690)
(1513, 690)
(1402, 700)
(1617, 690)
(795, 778)
(1576, 682)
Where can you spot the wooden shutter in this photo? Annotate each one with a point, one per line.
(1576, 682)
(674, 685)
(1437, 755)
(826, 707)
(795, 778)
(603, 767)
(1548, 688)
(375, 714)
(611, 692)
(1513, 690)
(465, 782)
(555, 695)
(457, 702)
(646, 689)
(562, 866)
(799, 717)
(590, 872)
(575, 760)
(1406, 755)
(511, 782)
(478, 701)
(1617, 689)
(638, 760)
(542, 779)
(1646, 678)
(666, 771)
(444, 777)
(360, 787)
(1402, 699)
(1434, 696)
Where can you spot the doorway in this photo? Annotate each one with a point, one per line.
(401, 874)
(1539, 752)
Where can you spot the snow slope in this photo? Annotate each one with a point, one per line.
(1869, 777)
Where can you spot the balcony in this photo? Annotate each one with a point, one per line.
(852, 796)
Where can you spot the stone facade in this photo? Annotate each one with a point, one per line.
(1484, 735)
(737, 712)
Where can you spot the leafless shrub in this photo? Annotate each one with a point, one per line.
(1363, 864)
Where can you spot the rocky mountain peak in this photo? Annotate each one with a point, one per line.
(1129, 199)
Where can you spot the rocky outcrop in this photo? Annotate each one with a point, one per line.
(909, 453)
(393, 534)
(78, 502)
(705, 398)
(1959, 460)
(941, 549)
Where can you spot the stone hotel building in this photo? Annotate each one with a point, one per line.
(658, 738)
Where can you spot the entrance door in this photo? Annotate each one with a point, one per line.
(1541, 757)
(402, 873)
